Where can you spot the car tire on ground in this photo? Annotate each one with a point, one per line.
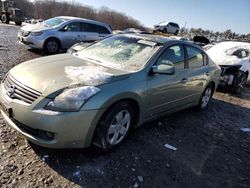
(165, 30)
(240, 83)
(18, 23)
(51, 46)
(206, 97)
(5, 19)
(114, 126)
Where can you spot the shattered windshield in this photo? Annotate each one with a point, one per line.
(126, 52)
(53, 22)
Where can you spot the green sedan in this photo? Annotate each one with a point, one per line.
(98, 94)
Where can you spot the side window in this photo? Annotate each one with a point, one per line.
(205, 59)
(195, 57)
(173, 55)
(74, 27)
(88, 27)
(103, 30)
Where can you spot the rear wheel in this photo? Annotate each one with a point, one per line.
(206, 97)
(18, 23)
(165, 30)
(176, 32)
(114, 126)
(5, 19)
(241, 81)
(51, 46)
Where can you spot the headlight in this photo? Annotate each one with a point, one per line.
(36, 33)
(71, 100)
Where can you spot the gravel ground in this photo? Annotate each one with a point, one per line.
(212, 151)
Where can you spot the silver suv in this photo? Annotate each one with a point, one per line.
(62, 32)
(165, 27)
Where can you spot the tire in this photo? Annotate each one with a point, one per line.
(51, 46)
(18, 23)
(5, 19)
(206, 97)
(114, 126)
(165, 30)
(240, 83)
(176, 32)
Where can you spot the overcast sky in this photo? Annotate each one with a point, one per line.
(216, 15)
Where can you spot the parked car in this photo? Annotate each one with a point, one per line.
(170, 27)
(234, 60)
(61, 33)
(98, 94)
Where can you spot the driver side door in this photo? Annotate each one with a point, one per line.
(70, 34)
(168, 92)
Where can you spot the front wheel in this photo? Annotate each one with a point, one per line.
(206, 97)
(51, 46)
(114, 126)
(5, 19)
(240, 83)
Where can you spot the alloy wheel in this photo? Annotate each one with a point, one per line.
(119, 127)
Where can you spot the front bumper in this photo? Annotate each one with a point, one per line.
(36, 42)
(47, 128)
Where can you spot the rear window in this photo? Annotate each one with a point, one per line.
(88, 27)
(173, 24)
(103, 30)
(195, 57)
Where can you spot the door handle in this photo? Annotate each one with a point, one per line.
(184, 80)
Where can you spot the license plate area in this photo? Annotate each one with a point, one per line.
(7, 110)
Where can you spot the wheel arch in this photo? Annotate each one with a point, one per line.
(55, 38)
(135, 104)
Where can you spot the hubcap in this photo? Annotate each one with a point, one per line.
(206, 97)
(52, 46)
(119, 127)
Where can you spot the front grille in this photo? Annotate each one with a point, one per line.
(24, 33)
(17, 90)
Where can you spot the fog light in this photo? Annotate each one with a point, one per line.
(50, 135)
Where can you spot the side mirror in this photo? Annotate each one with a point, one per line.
(64, 29)
(163, 69)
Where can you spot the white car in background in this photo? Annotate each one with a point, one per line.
(170, 27)
(234, 60)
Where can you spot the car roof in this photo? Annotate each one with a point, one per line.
(159, 39)
(84, 19)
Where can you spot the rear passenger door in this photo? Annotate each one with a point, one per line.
(198, 71)
(89, 32)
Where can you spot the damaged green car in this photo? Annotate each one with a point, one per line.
(98, 94)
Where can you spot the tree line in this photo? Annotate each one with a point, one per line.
(44, 9)
(215, 36)
(50, 8)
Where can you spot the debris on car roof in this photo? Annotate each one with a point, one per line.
(170, 147)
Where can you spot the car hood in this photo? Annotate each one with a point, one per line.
(50, 74)
(225, 59)
(35, 27)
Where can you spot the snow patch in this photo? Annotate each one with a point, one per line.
(170, 147)
(221, 53)
(89, 75)
(245, 129)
